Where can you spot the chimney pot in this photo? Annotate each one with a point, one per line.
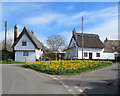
(74, 31)
(32, 32)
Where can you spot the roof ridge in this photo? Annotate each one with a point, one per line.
(33, 39)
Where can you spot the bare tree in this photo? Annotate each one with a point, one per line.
(56, 42)
(8, 45)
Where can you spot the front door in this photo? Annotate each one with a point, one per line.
(90, 56)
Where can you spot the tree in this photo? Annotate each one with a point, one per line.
(56, 42)
(8, 45)
(8, 53)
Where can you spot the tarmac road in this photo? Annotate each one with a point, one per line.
(17, 80)
(101, 81)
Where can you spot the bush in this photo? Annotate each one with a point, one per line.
(6, 55)
(9, 60)
(52, 56)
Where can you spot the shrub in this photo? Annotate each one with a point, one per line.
(9, 60)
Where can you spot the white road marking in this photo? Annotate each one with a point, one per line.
(80, 90)
(66, 86)
(55, 78)
(76, 87)
(70, 90)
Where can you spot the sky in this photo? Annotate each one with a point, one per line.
(50, 18)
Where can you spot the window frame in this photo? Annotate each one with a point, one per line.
(85, 54)
(24, 43)
(97, 55)
(24, 53)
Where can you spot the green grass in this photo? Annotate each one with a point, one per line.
(12, 62)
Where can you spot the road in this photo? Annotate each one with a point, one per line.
(18, 80)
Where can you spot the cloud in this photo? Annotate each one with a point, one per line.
(65, 19)
(109, 25)
(108, 29)
(70, 8)
(93, 16)
(45, 18)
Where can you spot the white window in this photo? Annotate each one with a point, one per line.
(85, 54)
(24, 43)
(25, 53)
(97, 54)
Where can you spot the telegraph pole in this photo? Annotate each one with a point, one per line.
(82, 38)
(5, 33)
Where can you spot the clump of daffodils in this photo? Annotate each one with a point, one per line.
(68, 66)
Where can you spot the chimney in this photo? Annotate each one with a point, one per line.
(32, 32)
(74, 32)
(106, 39)
(15, 33)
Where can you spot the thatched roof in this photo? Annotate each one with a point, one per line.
(31, 36)
(89, 40)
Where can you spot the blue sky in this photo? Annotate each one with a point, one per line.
(48, 18)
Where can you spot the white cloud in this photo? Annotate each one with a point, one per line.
(45, 18)
(70, 8)
(74, 19)
(108, 29)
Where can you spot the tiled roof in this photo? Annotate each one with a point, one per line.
(112, 45)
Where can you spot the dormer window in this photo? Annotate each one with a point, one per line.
(24, 43)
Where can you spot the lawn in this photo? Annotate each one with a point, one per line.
(11, 62)
(66, 67)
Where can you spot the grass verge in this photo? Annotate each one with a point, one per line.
(12, 62)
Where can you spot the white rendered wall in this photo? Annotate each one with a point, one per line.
(103, 55)
(20, 58)
(72, 52)
(29, 46)
(38, 53)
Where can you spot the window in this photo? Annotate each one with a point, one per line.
(85, 54)
(24, 43)
(25, 53)
(97, 54)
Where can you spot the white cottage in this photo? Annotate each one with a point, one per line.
(26, 46)
(93, 48)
